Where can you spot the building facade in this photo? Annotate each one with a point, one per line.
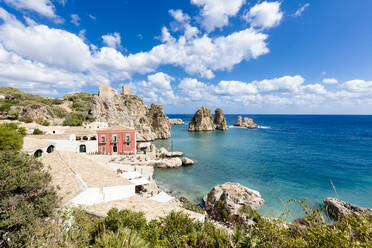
(116, 140)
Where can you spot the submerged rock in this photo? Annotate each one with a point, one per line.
(220, 120)
(247, 122)
(176, 122)
(233, 203)
(202, 121)
(338, 209)
(187, 161)
(129, 110)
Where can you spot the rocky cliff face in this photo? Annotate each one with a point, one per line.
(202, 121)
(129, 110)
(220, 120)
(232, 203)
(247, 122)
(338, 209)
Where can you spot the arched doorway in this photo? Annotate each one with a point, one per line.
(38, 153)
(51, 149)
(115, 148)
(83, 148)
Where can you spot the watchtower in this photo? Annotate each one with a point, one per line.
(125, 89)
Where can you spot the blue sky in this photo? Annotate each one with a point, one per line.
(288, 56)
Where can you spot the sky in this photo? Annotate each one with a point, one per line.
(247, 57)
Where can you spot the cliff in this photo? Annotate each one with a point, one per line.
(129, 110)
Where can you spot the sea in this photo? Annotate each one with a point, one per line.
(300, 157)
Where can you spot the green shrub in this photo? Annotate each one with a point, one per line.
(13, 114)
(253, 214)
(42, 121)
(26, 119)
(37, 132)
(26, 199)
(5, 107)
(123, 237)
(11, 136)
(74, 119)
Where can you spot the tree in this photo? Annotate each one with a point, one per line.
(26, 199)
(11, 137)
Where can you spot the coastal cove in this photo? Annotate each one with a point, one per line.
(291, 156)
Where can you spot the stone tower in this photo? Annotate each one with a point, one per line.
(125, 89)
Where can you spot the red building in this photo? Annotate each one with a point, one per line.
(116, 140)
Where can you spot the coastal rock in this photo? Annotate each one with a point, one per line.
(187, 161)
(129, 110)
(238, 122)
(225, 203)
(162, 153)
(247, 122)
(202, 121)
(338, 209)
(176, 122)
(220, 120)
(169, 163)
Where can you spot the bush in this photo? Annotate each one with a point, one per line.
(37, 132)
(26, 199)
(11, 136)
(74, 119)
(5, 107)
(26, 119)
(42, 121)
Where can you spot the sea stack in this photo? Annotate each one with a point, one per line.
(238, 122)
(247, 122)
(202, 121)
(220, 120)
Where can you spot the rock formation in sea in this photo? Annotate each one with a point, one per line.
(202, 121)
(176, 122)
(247, 122)
(232, 203)
(338, 209)
(129, 110)
(187, 161)
(220, 120)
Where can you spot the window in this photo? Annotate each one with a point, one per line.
(114, 138)
(103, 139)
(127, 139)
(103, 149)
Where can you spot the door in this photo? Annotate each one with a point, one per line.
(83, 148)
(115, 148)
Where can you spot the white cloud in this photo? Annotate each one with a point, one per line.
(92, 17)
(301, 10)
(330, 81)
(42, 7)
(75, 19)
(112, 40)
(358, 86)
(157, 88)
(264, 15)
(216, 13)
(179, 16)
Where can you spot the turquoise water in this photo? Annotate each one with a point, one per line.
(293, 156)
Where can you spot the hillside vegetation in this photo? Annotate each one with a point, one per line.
(25, 107)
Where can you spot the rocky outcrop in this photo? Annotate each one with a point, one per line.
(164, 153)
(129, 110)
(338, 209)
(169, 163)
(202, 121)
(247, 122)
(220, 120)
(187, 161)
(176, 122)
(232, 203)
